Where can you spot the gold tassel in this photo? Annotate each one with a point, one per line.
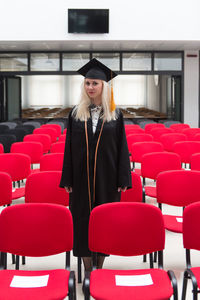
(112, 101)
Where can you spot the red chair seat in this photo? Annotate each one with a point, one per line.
(102, 285)
(18, 193)
(57, 286)
(172, 224)
(150, 191)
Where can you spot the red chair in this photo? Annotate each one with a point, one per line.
(36, 230)
(154, 163)
(158, 132)
(44, 139)
(62, 138)
(135, 193)
(65, 131)
(1, 148)
(138, 137)
(178, 128)
(51, 162)
(18, 166)
(134, 131)
(33, 149)
(186, 149)
(5, 188)
(191, 133)
(141, 148)
(44, 187)
(50, 131)
(123, 232)
(168, 140)
(177, 188)
(150, 126)
(57, 127)
(191, 238)
(128, 126)
(58, 147)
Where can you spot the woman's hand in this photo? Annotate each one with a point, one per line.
(120, 189)
(68, 189)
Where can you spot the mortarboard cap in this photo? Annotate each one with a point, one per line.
(94, 69)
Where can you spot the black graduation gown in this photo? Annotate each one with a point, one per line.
(112, 171)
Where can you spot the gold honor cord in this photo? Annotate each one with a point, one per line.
(95, 162)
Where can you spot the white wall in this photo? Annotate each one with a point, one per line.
(129, 20)
(191, 89)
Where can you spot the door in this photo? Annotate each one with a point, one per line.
(13, 98)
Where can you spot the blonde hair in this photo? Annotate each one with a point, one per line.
(81, 111)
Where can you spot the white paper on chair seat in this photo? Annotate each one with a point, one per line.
(180, 220)
(133, 280)
(13, 190)
(29, 281)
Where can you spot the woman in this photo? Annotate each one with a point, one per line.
(96, 165)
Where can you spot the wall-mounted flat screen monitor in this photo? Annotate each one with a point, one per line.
(88, 20)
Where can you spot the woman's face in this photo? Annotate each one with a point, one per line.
(93, 88)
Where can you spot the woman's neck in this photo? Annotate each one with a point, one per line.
(96, 101)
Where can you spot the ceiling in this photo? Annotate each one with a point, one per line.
(103, 45)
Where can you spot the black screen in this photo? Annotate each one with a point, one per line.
(88, 20)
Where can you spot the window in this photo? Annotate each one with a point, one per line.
(45, 62)
(13, 62)
(111, 60)
(168, 62)
(136, 62)
(74, 61)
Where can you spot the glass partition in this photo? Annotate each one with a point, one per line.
(11, 62)
(74, 61)
(168, 62)
(111, 60)
(136, 62)
(45, 62)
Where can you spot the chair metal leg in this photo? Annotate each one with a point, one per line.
(79, 262)
(155, 257)
(86, 286)
(72, 286)
(23, 260)
(145, 258)
(13, 259)
(184, 289)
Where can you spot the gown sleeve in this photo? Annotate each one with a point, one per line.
(66, 178)
(124, 170)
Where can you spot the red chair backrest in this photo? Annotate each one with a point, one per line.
(65, 131)
(135, 193)
(50, 131)
(62, 138)
(44, 139)
(141, 148)
(138, 137)
(5, 188)
(131, 126)
(1, 148)
(36, 229)
(191, 223)
(191, 132)
(33, 149)
(44, 187)
(154, 163)
(186, 149)
(150, 126)
(58, 147)
(179, 127)
(127, 229)
(17, 165)
(134, 130)
(169, 139)
(178, 188)
(57, 127)
(158, 132)
(52, 162)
